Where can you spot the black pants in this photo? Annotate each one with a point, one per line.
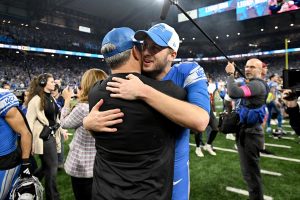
(250, 141)
(213, 123)
(48, 169)
(82, 188)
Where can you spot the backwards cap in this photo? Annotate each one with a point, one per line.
(122, 38)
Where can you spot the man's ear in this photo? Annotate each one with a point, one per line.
(136, 53)
(172, 56)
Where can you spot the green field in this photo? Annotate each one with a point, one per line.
(212, 174)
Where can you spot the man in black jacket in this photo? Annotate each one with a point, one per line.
(250, 137)
(137, 161)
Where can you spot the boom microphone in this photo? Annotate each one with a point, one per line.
(165, 9)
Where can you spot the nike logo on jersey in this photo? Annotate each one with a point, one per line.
(176, 182)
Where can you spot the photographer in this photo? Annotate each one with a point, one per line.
(250, 136)
(292, 108)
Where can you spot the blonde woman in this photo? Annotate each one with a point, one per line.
(42, 111)
(80, 160)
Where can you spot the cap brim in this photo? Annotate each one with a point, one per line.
(141, 35)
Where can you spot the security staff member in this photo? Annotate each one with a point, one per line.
(250, 138)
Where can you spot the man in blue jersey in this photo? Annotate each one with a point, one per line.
(12, 123)
(273, 104)
(161, 43)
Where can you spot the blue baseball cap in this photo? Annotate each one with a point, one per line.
(162, 34)
(122, 38)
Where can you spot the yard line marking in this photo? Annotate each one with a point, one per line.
(278, 145)
(262, 155)
(286, 126)
(218, 148)
(245, 192)
(70, 133)
(280, 158)
(270, 173)
(288, 138)
(223, 149)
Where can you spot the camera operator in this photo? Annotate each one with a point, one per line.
(292, 108)
(250, 138)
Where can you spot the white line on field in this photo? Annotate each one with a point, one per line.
(70, 133)
(244, 192)
(278, 145)
(262, 155)
(270, 173)
(288, 138)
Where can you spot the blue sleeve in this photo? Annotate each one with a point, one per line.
(196, 86)
(7, 101)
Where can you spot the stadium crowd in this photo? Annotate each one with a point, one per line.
(47, 36)
(46, 81)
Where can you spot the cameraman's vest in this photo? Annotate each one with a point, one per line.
(253, 115)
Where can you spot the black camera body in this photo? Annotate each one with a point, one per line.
(55, 127)
(291, 80)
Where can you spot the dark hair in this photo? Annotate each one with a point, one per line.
(36, 89)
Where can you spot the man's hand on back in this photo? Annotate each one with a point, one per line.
(101, 121)
(131, 88)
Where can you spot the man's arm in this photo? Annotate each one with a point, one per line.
(180, 112)
(17, 123)
(101, 121)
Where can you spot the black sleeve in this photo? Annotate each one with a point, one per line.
(294, 116)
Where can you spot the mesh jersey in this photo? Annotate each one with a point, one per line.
(8, 138)
(191, 77)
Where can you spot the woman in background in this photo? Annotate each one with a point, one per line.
(43, 111)
(80, 160)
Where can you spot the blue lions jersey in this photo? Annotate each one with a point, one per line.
(191, 77)
(8, 138)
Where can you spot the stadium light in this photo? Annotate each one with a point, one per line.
(276, 27)
(252, 45)
(84, 29)
(8, 22)
(217, 37)
(52, 55)
(79, 58)
(67, 56)
(193, 38)
(183, 38)
(37, 28)
(261, 29)
(17, 52)
(291, 24)
(238, 33)
(227, 35)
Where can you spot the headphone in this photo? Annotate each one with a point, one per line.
(43, 80)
